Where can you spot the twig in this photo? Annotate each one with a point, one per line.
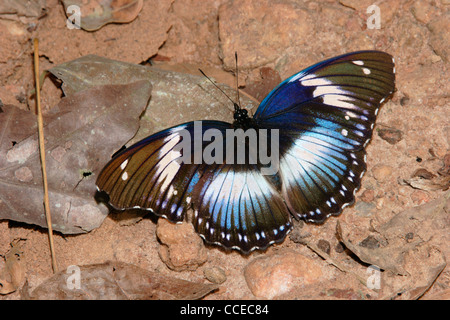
(42, 154)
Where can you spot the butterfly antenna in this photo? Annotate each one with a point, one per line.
(234, 103)
(237, 78)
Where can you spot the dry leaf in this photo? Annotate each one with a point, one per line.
(91, 71)
(116, 280)
(387, 258)
(176, 97)
(97, 13)
(434, 184)
(99, 115)
(78, 134)
(13, 274)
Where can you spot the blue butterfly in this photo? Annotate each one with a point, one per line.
(324, 117)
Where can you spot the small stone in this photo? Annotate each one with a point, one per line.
(324, 245)
(409, 236)
(404, 100)
(368, 195)
(275, 274)
(420, 197)
(181, 248)
(364, 209)
(379, 203)
(391, 136)
(339, 248)
(381, 172)
(370, 242)
(215, 275)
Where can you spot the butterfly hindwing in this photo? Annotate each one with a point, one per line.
(237, 207)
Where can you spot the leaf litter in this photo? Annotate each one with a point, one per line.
(115, 280)
(78, 139)
(411, 248)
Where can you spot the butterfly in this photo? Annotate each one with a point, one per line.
(323, 118)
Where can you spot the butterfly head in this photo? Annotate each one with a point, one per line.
(241, 118)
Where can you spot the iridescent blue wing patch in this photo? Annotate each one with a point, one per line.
(237, 207)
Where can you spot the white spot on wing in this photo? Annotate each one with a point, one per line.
(315, 82)
(339, 101)
(124, 176)
(124, 164)
(358, 62)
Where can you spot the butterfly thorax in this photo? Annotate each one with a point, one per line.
(242, 119)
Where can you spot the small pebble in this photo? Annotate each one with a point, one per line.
(272, 275)
(324, 245)
(370, 242)
(181, 248)
(339, 248)
(381, 172)
(368, 195)
(420, 197)
(215, 275)
(409, 236)
(391, 136)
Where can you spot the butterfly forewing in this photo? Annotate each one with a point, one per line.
(149, 175)
(326, 116)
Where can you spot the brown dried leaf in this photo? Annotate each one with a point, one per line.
(13, 274)
(81, 133)
(97, 13)
(99, 115)
(437, 183)
(118, 280)
(91, 70)
(387, 258)
(176, 97)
